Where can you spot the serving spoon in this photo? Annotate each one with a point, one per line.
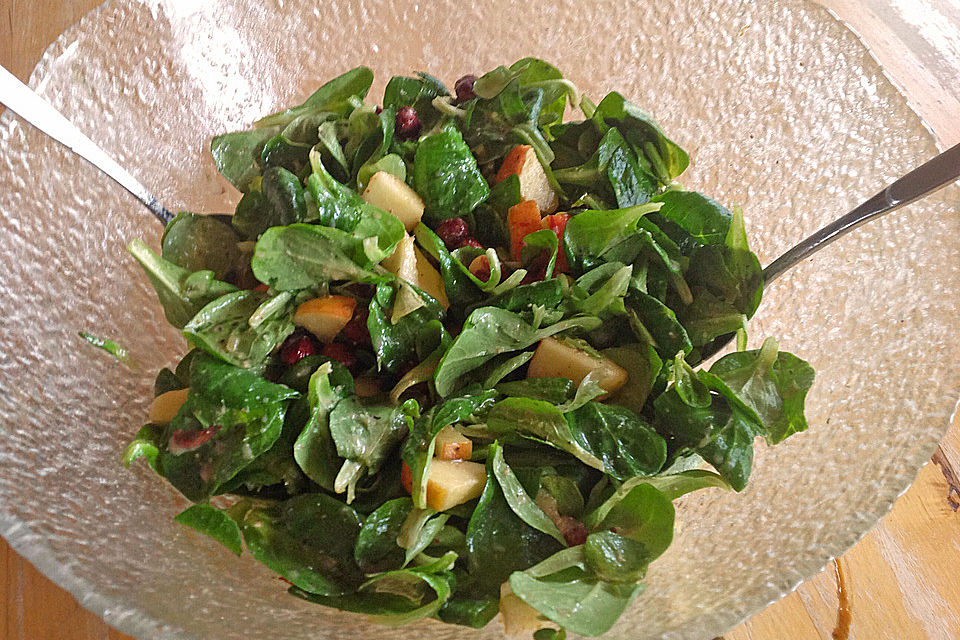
(21, 99)
(924, 180)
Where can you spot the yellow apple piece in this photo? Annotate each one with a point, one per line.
(555, 359)
(449, 482)
(407, 263)
(388, 192)
(453, 445)
(324, 317)
(534, 184)
(165, 406)
(519, 618)
(453, 482)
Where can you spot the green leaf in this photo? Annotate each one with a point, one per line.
(521, 503)
(236, 154)
(146, 444)
(419, 531)
(110, 346)
(641, 131)
(498, 541)
(642, 365)
(223, 327)
(543, 240)
(547, 294)
(315, 451)
(237, 415)
(377, 549)
(703, 218)
(304, 256)
(721, 434)
(181, 292)
(564, 590)
(413, 92)
(505, 367)
(391, 163)
(308, 540)
(395, 344)
(461, 286)
(214, 523)
(727, 284)
(395, 597)
(615, 558)
(365, 435)
(652, 319)
(643, 514)
(672, 486)
(771, 385)
(446, 176)
(280, 152)
(613, 170)
(489, 332)
(565, 493)
(593, 237)
(552, 390)
(201, 243)
(333, 96)
(469, 613)
(620, 438)
(606, 437)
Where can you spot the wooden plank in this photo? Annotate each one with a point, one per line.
(899, 579)
(27, 27)
(6, 594)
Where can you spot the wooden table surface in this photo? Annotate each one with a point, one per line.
(900, 581)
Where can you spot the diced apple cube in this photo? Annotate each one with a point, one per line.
(449, 482)
(403, 261)
(390, 193)
(453, 482)
(324, 317)
(519, 618)
(554, 359)
(408, 263)
(453, 445)
(166, 405)
(534, 184)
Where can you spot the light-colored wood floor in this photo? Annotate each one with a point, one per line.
(900, 580)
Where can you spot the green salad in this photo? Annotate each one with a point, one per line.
(443, 353)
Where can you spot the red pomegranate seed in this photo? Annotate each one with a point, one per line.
(470, 242)
(574, 531)
(341, 353)
(408, 123)
(453, 231)
(480, 267)
(537, 270)
(296, 348)
(464, 88)
(183, 440)
(356, 330)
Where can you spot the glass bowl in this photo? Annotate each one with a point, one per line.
(783, 111)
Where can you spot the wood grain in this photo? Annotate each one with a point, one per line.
(900, 579)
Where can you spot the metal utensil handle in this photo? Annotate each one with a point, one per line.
(928, 177)
(20, 99)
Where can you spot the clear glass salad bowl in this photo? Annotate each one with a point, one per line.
(784, 113)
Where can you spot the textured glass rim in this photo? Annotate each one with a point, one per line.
(126, 618)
